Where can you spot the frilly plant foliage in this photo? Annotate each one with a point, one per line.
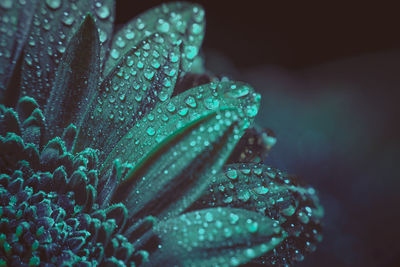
(114, 153)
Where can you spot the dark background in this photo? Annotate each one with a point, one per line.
(329, 75)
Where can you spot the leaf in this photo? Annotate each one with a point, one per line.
(269, 192)
(146, 75)
(179, 145)
(178, 20)
(16, 18)
(215, 237)
(76, 79)
(54, 23)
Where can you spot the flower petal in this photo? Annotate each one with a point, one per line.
(54, 23)
(215, 237)
(145, 76)
(179, 145)
(76, 79)
(267, 191)
(16, 18)
(253, 146)
(180, 21)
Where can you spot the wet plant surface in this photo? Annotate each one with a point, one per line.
(122, 150)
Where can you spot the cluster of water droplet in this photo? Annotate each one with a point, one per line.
(49, 37)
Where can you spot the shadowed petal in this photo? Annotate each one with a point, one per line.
(267, 191)
(50, 35)
(16, 18)
(179, 145)
(76, 79)
(146, 75)
(215, 237)
(253, 146)
(180, 21)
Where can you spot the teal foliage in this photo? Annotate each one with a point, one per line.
(114, 153)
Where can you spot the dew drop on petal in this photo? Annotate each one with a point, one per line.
(6, 4)
(232, 174)
(53, 4)
(103, 12)
(150, 131)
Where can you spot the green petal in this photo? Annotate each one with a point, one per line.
(180, 21)
(180, 144)
(269, 192)
(146, 75)
(54, 23)
(215, 237)
(253, 146)
(16, 18)
(76, 79)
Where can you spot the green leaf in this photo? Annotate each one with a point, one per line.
(269, 192)
(54, 23)
(215, 237)
(16, 18)
(76, 79)
(179, 21)
(146, 75)
(180, 144)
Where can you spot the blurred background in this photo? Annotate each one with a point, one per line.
(329, 75)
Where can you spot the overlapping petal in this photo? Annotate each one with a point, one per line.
(180, 144)
(144, 76)
(269, 192)
(50, 35)
(215, 237)
(16, 18)
(181, 22)
(76, 79)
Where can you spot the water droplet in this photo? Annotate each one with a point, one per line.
(190, 51)
(53, 4)
(211, 103)
(163, 26)
(68, 20)
(231, 174)
(238, 92)
(251, 226)
(209, 217)
(190, 101)
(103, 12)
(251, 110)
(102, 36)
(114, 53)
(149, 74)
(250, 253)
(150, 131)
(163, 96)
(261, 190)
(171, 107)
(196, 28)
(6, 4)
(166, 82)
(233, 218)
(129, 34)
(183, 111)
(155, 64)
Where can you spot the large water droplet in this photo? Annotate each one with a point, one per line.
(6, 4)
(232, 174)
(190, 101)
(53, 4)
(103, 12)
(211, 103)
(150, 131)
